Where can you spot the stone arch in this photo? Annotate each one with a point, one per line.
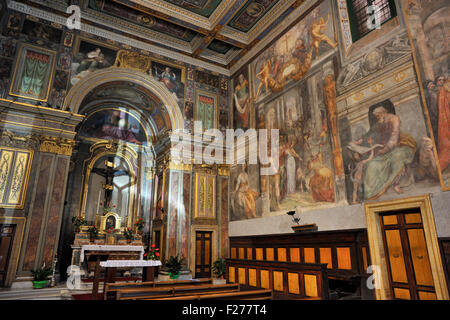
(79, 91)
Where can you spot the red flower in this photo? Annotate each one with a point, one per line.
(157, 249)
(157, 254)
(153, 245)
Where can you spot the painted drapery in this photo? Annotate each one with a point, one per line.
(36, 67)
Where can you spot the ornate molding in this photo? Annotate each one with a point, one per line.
(57, 145)
(133, 60)
(373, 62)
(224, 171)
(10, 139)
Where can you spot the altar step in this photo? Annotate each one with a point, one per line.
(60, 292)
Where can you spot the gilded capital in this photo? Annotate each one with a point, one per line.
(57, 145)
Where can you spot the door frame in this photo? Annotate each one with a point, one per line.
(214, 244)
(376, 243)
(16, 247)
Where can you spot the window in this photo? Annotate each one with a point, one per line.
(359, 15)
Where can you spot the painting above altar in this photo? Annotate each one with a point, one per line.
(114, 124)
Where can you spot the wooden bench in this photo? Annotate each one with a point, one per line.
(112, 288)
(240, 295)
(288, 280)
(162, 292)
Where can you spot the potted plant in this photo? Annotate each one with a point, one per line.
(174, 266)
(93, 231)
(40, 276)
(218, 269)
(78, 222)
(139, 226)
(152, 254)
(128, 233)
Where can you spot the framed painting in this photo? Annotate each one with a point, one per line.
(33, 73)
(89, 56)
(171, 75)
(427, 24)
(206, 109)
(115, 124)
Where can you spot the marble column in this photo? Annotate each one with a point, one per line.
(47, 205)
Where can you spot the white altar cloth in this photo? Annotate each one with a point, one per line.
(129, 263)
(97, 247)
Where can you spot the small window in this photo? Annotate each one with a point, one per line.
(359, 15)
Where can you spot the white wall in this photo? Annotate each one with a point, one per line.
(340, 218)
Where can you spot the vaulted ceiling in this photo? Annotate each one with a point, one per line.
(215, 31)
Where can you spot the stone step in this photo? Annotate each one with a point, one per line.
(60, 292)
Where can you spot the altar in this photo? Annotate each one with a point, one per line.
(101, 257)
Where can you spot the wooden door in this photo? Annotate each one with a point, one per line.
(407, 256)
(203, 254)
(6, 242)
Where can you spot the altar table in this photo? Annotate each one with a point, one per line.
(101, 253)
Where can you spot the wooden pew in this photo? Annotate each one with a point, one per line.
(148, 293)
(239, 295)
(112, 288)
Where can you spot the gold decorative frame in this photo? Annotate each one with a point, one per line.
(11, 175)
(19, 65)
(216, 111)
(89, 164)
(203, 209)
(376, 243)
(105, 217)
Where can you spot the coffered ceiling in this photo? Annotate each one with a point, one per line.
(213, 32)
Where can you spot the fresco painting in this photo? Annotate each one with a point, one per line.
(114, 124)
(292, 55)
(429, 33)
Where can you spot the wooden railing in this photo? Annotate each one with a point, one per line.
(287, 280)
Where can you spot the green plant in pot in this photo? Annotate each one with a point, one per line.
(93, 231)
(218, 268)
(40, 276)
(78, 222)
(174, 266)
(128, 233)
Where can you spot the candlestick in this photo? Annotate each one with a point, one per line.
(98, 202)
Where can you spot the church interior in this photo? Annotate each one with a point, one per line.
(236, 149)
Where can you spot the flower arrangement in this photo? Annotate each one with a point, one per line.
(139, 225)
(93, 231)
(78, 222)
(152, 254)
(128, 233)
(107, 208)
(112, 230)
